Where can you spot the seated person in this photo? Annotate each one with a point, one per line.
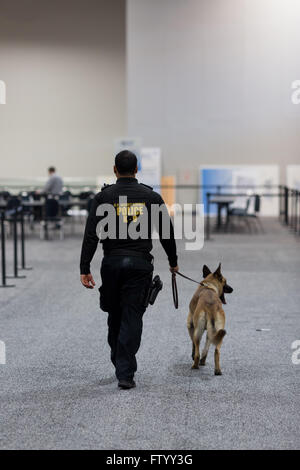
(54, 184)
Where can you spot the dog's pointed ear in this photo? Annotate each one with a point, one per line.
(217, 272)
(206, 271)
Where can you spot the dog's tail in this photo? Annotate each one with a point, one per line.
(217, 338)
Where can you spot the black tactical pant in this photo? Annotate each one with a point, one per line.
(125, 282)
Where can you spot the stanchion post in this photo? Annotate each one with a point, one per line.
(3, 260)
(280, 188)
(15, 231)
(23, 264)
(286, 205)
(207, 216)
(298, 213)
(296, 210)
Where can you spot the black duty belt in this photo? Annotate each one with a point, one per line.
(134, 253)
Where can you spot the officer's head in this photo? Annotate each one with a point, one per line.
(125, 164)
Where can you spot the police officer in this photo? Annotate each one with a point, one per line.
(127, 264)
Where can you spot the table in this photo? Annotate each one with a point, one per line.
(222, 202)
(41, 203)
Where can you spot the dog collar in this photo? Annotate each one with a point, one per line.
(209, 286)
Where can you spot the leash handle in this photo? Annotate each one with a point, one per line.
(174, 290)
(174, 286)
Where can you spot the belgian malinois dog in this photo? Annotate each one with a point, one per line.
(206, 313)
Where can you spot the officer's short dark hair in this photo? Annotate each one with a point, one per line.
(126, 162)
(51, 169)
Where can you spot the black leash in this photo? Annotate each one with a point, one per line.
(174, 286)
(174, 290)
(188, 278)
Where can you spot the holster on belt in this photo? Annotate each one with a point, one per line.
(155, 286)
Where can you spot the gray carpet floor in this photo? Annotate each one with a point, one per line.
(58, 391)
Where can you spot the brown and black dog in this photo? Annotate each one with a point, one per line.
(206, 313)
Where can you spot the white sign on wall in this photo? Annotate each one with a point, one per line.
(2, 92)
(150, 166)
(293, 176)
(133, 144)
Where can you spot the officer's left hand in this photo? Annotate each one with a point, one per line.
(174, 269)
(87, 281)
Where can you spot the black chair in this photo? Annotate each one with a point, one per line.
(13, 203)
(88, 197)
(85, 195)
(244, 214)
(36, 196)
(51, 220)
(241, 213)
(13, 207)
(255, 215)
(5, 195)
(12, 210)
(65, 203)
(89, 203)
(257, 203)
(27, 210)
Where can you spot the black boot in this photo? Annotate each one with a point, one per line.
(126, 384)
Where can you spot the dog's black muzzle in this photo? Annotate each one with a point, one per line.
(227, 289)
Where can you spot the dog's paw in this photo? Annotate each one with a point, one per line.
(194, 367)
(202, 363)
(218, 372)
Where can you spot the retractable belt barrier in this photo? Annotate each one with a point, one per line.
(15, 216)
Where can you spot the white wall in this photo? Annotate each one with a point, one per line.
(210, 80)
(63, 63)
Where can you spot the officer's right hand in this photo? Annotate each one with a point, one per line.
(175, 269)
(87, 281)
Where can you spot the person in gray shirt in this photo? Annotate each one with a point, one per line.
(54, 184)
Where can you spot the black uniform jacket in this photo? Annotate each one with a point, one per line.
(139, 197)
